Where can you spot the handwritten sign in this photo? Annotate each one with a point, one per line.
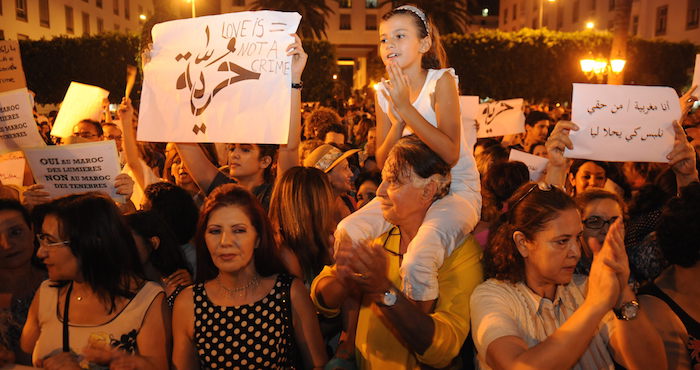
(535, 164)
(81, 102)
(17, 127)
(499, 118)
(11, 72)
(696, 76)
(623, 123)
(222, 78)
(76, 168)
(12, 168)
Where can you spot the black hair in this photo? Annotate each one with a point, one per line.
(374, 176)
(95, 124)
(269, 150)
(536, 116)
(167, 257)
(14, 205)
(101, 241)
(501, 181)
(678, 230)
(267, 260)
(176, 207)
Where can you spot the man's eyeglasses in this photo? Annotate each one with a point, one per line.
(85, 134)
(47, 241)
(597, 222)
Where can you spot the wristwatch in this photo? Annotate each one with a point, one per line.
(628, 311)
(297, 85)
(389, 297)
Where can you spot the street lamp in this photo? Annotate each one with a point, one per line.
(590, 25)
(542, 10)
(598, 68)
(193, 7)
(142, 17)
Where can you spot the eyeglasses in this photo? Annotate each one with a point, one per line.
(543, 186)
(45, 240)
(115, 138)
(597, 222)
(84, 134)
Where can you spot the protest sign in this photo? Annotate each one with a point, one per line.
(499, 118)
(76, 168)
(81, 102)
(12, 168)
(696, 77)
(469, 105)
(11, 72)
(535, 164)
(623, 123)
(17, 127)
(222, 78)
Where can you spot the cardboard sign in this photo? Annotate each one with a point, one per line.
(535, 164)
(623, 123)
(222, 78)
(696, 77)
(12, 168)
(81, 102)
(76, 168)
(17, 127)
(500, 118)
(11, 72)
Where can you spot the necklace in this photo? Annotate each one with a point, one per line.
(239, 290)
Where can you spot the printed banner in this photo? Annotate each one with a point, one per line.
(12, 168)
(76, 168)
(81, 102)
(222, 78)
(500, 118)
(623, 123)
(11, 72)
(17, 126)
(535, 164)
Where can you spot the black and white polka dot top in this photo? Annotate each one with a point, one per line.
(252, 336)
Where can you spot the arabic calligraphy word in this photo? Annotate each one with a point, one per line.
(491, 111)
(609, 132)
(614, 108)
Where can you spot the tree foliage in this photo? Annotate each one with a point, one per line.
(543, 64)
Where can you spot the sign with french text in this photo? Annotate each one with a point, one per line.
(76, 168)
(17, 126)
(81, 102)
(500, 118)
(223, 78)
(535, 164)
(620, 123)
(11, 72)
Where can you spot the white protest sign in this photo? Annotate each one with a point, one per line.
(81, 102)
(696, 77)
(17, 127)
(221, 78)
(12, 168)
(535, 164)
(500, 118)
(623, 123)
(469, 106)
(76, 168)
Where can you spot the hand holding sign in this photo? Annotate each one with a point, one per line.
(557, 142)
(682, 158)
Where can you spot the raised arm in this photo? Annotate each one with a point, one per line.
(682, 158)
(443, 139)
(387, 133)
(198, 165)
(288, 154)
(558, 166)
(131, 149)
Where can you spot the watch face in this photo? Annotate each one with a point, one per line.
(630, 310)
(389, 298)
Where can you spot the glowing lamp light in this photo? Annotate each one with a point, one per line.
(590, 25)
(376, 86)
(617, 65)
(485, 12)
(587, 65)
(335, 77)
(142, 17)
(600, 66)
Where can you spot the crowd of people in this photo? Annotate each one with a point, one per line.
(382, 235)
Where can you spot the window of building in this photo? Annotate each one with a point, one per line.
(560, 17)
(116, 27)
(86, 24)
(574, 13)
(69, 19)
(238, 3)
(86, 1)
(661, 20)
(21, 36)
(611, 25)
(371, 4)
(611, 5)
(345, 22)
(635, 25)
(593, 4)
(116, 7)
(0, 10)
(2, 33)
(345, 3)
(515, 11)
(371, 22)
(98, 3)
(100, 25)
(21, 10)
(505, 15)
(127, 9)
(44, 20)
(534, 23)
(693, 14)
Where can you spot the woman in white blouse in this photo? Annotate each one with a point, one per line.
(534, 312)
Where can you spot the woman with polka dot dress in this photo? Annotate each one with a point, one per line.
(245, 312)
